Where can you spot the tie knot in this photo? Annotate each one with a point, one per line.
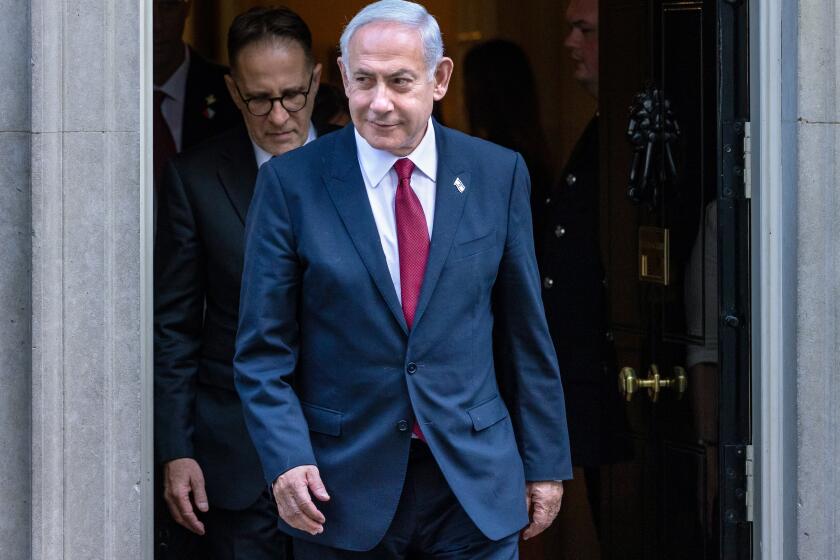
(404, 167)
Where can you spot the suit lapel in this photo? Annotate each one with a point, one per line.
(346, 187)
(449, 206)
(238, 173)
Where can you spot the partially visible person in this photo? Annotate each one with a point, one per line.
(212, 475)
(191, 102)
(331, 109)
(501, 99)
(575, 299)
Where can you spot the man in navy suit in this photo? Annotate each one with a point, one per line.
(385, 266)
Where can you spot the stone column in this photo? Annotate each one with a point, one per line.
(15, 262)
(90, 389)
(818, 281)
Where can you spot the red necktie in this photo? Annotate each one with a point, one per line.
(164, 144)
(413, 244)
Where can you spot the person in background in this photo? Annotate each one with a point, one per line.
(575, 299)
(190, 102)
(212, 474)
(500, 94)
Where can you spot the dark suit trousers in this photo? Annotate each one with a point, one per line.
(250, 534)
(429, 523)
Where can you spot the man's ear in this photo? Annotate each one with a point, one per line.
(234, 95)
(443, 73)
(345, 80)
(316, 80)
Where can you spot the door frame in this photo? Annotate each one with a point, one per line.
(773, 27)
(144, 98)
(773, 101)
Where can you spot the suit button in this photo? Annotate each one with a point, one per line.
(559, 231)
(402, 425)
(571, 179)
(548, 283)
(411, 368)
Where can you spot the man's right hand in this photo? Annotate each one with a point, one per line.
(294, 504)
(180, 478)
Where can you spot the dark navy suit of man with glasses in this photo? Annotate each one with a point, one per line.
(212, 474)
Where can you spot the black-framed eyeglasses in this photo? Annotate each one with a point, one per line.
(292, 102)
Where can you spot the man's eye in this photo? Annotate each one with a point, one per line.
(362, 80)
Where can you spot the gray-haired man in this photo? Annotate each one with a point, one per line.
(377, 261)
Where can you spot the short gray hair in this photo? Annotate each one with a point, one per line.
(410, 14)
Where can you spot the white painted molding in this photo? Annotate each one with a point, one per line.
(773, 399)
(147, 280)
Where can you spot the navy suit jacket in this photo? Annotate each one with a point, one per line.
(330, 375)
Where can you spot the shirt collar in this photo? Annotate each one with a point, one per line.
(176, 86)
(263, 156)
(376, 163)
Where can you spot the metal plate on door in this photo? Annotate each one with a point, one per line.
(654, 261)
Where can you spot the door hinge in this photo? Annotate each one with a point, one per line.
(747, 161)
(749, 464)
(737, 467)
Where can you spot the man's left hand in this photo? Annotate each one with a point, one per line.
(543, 499)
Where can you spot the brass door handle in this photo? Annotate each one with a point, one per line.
(629, 383)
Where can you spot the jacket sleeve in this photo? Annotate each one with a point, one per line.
(527, 369)
(267, 339)
(178, 317)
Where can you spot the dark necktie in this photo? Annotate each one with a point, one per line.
(413, 245)
(164, 144)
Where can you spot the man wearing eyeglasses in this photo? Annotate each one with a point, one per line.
(212, 476)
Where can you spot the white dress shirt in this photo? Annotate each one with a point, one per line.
(172, 107)
(262, 156)
(381, 185)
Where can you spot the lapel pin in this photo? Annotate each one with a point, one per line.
(459, 184)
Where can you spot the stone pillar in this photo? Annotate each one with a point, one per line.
(90, 390)
(15, 262)
(818, 281)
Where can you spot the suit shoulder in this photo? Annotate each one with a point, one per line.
(206, 153)
(205, 70)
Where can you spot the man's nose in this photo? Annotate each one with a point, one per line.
(278, 115)
(572, 39)
(381, 102)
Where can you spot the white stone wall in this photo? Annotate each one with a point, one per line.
(818, 280)
(15, 274)
(89, 476)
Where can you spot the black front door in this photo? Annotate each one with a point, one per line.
(674, 239)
